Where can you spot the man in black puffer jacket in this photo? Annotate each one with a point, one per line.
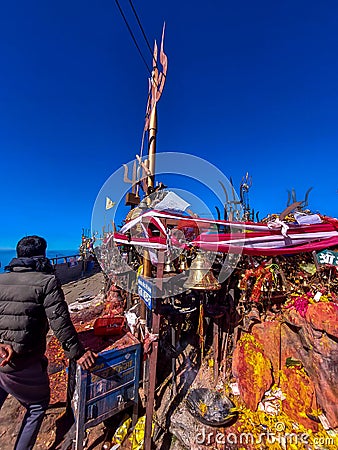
(30, 296)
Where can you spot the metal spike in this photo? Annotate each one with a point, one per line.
(306, 200)
(293, 194)
(289, 198)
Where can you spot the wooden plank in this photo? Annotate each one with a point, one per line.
(156, 322)
(173, 361)
(215, 349)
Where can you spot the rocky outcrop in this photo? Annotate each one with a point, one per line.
(299, 393)
(314, 339)
(323, 316)
(268, 334)
(252, 370)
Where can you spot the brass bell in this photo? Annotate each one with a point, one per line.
(201, 276)
(169, 266)
(183, 263)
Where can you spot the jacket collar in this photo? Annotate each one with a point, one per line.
(35, 263)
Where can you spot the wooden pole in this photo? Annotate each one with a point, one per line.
(173, 360)
(215, 348)
(146, 316)
(156, 322)
(147, 273)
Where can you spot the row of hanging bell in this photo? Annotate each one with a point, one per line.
(183, 264)
(169, 265)
(201, 276)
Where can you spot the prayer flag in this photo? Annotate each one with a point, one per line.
(109, 203)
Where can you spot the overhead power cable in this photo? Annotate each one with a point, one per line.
(132, 36)
(142, 31)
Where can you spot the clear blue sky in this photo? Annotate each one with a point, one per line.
(252, 86)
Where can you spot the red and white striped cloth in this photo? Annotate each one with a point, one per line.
(249, 238)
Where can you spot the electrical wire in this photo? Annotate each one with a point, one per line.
(142, 31)
(132, 36)
(137, 46)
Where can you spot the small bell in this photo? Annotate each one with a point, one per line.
(183, 264)
(169, 266)
(201, 276)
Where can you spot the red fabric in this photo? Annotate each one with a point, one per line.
(262, 241)
(260, 251)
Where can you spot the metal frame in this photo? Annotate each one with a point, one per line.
(85, 399)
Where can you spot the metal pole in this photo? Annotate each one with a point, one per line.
(152, 145)
(150, 183)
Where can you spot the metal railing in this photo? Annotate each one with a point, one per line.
(64, 259)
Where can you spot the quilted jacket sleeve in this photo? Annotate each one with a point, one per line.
(58, 315)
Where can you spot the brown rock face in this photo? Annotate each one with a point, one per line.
(323, 316)
(268, 335)
(252, 370)
(324, 372)
(311, 340)
(300, 396)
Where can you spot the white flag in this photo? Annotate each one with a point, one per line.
(109, 203)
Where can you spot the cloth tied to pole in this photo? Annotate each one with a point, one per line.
(279, 224)
(149, 338)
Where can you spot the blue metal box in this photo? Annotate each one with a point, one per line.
(108, 388)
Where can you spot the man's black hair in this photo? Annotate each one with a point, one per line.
(31, 246)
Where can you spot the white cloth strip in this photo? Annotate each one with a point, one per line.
(307, 237)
